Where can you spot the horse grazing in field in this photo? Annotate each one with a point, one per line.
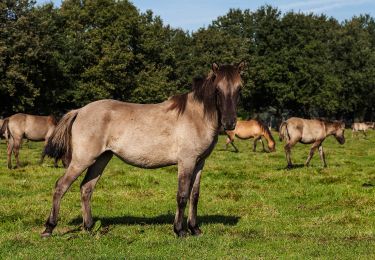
(251, 129)
(356, 127)
(31, 127)
(307, 131)
(184, 132)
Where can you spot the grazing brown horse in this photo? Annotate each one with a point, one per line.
(356, 127)
(251, 129)
(184, 131)
(31, 127)
(307, 131)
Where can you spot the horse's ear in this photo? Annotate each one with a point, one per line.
(241, 66)
(215, 68)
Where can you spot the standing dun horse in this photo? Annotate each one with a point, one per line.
(251, 129)
(357, 127)
(308, 131)
(184, 132)
(31, 127)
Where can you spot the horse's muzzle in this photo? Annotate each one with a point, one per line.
(230, 126)
(341, 140)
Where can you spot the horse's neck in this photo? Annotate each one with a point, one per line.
(207, 113)
(330, 129)
(267, 135)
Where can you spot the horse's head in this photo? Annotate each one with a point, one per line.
(339, 132)
(271, 146)
(228, 85)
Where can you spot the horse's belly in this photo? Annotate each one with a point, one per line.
(146, 159)
(34, 137)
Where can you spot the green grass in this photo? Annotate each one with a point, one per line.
(250, 207)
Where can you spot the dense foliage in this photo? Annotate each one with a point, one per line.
(53, 59)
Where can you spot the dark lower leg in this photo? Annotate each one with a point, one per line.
(185, 173)
(9, 154)
(194, 197)
(287, 149)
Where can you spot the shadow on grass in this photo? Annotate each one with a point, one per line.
(294, 166)
(159, 220)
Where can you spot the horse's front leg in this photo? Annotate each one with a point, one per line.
(185, 172)
(194, 197)
(322, 156)
(312, 150)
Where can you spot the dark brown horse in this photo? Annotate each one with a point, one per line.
(252, 128)
(307, 131)
(184, 131)
(31, 127)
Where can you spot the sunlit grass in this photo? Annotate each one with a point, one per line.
(250, 207)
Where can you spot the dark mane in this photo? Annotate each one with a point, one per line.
(179, 103)
(204, 89)
(265, 129)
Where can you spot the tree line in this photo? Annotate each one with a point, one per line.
(53, 59)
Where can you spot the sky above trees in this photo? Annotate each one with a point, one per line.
(193, 14)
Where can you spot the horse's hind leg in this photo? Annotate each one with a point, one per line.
(62, 185)
(9, 151)
(185, 173)
(194, 197)
(287, 149)
(16, 151)
(87, 186)
(322, 156)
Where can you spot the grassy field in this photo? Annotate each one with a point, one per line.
(250, 207)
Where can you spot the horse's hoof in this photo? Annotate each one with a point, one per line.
(182, 233)
(196, 231)
(45, 234)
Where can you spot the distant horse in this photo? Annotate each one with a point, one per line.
(1, 125)
(182, 130)
(309, 132)
(251, 129)
(31, 127)
(356, 127)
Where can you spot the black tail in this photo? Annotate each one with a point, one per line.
(4, 131)
(59, 143)
(283, 131)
